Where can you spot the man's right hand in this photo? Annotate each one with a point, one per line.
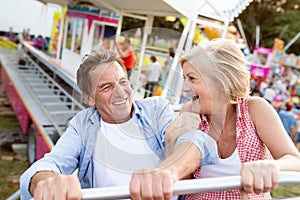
(152, 184)
(49, 185)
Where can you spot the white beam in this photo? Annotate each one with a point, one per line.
(257, 38)
(175, 61)
(291, 42)
(240, 26)
(190, 39)
(147, 31)
(225, 28)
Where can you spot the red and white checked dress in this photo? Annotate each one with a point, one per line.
(249, 146)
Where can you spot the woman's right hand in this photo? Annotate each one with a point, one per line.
(184, 122)
(259, 176)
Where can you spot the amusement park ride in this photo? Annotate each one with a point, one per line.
(43, 92)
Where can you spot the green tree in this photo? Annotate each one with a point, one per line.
(276, 18)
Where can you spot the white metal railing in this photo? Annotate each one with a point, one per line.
(187, 186)
(181, 187)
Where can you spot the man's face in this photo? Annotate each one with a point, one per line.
(125, 44)
(111, 92)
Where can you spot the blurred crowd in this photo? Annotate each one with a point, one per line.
(283, 93)
(38, 41)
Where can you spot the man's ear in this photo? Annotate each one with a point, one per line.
(88, 100)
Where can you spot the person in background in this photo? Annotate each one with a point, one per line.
(253, 85)
(167, 66)
(263, 85)
(243, 130)
(288, 119)
(152, 75)
(11, 34)
(296, 136)
(109, 140)
(38, 42)
(127, 55)
(270, 93)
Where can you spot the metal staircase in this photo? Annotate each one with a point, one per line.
(53, 105)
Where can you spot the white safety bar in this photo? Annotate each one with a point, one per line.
(187, 186)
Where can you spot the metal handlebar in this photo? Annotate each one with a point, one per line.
(187, 186)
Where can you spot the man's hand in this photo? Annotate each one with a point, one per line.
(259, 176)
(49, 185)
(152, 184)
(158, 183)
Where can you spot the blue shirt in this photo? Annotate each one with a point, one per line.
(75, 147)
(288, 120)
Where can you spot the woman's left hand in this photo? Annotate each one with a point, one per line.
(260, 176)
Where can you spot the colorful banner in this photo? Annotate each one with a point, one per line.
(55, 33)
(288, 59)
(92, 13)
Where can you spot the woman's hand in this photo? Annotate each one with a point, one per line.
(259, 176)
(185, 122)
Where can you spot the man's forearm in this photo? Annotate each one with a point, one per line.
(39, 176)
(185, 159)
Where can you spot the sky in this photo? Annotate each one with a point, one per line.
(20, 14)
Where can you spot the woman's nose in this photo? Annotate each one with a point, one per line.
(186, 86)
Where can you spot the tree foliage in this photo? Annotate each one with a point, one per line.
(276, 18)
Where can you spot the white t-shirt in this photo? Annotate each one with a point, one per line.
(120, 149)
(154, 70)
(230, 166)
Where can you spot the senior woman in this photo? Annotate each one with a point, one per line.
(250, 138)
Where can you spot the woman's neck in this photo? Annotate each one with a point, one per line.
(222, 121)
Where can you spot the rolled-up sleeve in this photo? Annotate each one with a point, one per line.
(62, 159)
(25, 179)
(206, 145)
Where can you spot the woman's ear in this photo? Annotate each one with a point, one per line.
(88, 100)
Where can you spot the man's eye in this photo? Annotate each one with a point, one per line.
(102, 88)
(125, 82)
(105, 87)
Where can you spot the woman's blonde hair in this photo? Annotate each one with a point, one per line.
(222, 61)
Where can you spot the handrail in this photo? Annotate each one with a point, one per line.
(187, 186)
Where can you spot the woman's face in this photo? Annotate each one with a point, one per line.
(201, 90)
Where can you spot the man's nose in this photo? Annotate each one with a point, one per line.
(118, 90)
